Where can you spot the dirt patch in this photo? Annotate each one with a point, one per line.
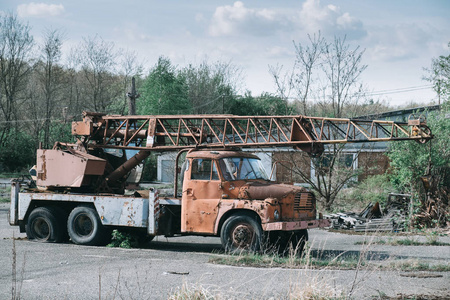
(421, 275)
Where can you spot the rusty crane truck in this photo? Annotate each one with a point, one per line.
(79, 193)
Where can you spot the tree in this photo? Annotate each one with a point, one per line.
(16, 44)
(325, 77)
(17, 152)
(342, 68)
(95, 58)
(164, 92)
(265, 104)
(300, 80)
(50, 80)
(325, 80)
(439, 76)
(211, 86)
(410, 160)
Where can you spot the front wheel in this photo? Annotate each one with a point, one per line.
(85, 228)
(44, 225)
(241, 232)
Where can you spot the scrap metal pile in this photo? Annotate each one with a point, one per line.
(392, 218)
(434, 208)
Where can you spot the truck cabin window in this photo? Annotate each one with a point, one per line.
(204, 169)
(241, 168)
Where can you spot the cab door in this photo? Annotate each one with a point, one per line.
(201, 196)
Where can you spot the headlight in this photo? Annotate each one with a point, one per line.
(276, 215)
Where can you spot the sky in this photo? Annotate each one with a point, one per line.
(400, 38)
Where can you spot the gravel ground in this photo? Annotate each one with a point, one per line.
(68, 271)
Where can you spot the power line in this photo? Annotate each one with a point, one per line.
(401, 90)
(382, 92)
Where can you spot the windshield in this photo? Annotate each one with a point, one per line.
(239, 168)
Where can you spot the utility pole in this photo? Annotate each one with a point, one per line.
(132, 96)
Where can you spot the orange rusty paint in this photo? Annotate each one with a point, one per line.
(206, 201)
(200, 202)
(289, 226)
(82, 128)
(218, 154)
(178, 132)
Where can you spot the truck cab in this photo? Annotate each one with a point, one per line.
(227, 193)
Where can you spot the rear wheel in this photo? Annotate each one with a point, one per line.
(85, 228)
(45, 225)
(241, 232)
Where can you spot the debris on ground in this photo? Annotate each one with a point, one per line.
(433, 210)
(373, 218)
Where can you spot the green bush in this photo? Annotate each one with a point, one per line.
(17, 153)
(373, 189)
(123, 240)
(409, 160)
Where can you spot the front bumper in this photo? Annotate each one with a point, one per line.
(288, 226)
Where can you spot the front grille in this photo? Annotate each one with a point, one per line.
(304, 202)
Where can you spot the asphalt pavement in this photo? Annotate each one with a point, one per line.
(69, 271)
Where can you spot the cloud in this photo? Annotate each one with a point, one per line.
(330, 20)
(39, 10)
(277, 52)
(400, 42)
(238, 19)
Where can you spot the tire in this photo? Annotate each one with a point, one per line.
(44, 224)
(85, 228)
(241, 232)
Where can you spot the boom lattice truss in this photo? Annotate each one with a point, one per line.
(177, 132)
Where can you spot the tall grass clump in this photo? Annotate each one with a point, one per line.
(192, 292)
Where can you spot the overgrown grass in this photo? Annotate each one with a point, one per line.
(408, 242)
(193, 292)
(277, 261)
(416, 265)
(293, 259)
(373, 189)
(307, 261)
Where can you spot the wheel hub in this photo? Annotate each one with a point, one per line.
(41, 229)
(83, 225)
(242, 235)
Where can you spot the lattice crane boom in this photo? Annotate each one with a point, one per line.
(176, 132)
